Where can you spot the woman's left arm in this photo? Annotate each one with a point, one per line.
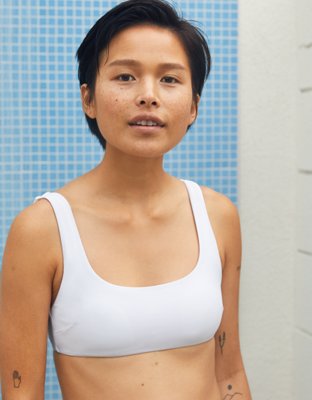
(230, 370)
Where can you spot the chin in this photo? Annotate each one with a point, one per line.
(142, 149)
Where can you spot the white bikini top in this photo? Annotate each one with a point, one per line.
(92, 317)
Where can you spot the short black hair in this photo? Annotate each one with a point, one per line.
(138, 12)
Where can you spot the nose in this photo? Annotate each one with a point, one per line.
(147, 96)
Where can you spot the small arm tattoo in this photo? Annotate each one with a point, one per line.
(17, 379)
(222, 341)
(238, 268)
(231, 396)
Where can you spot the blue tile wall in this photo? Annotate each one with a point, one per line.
(44, 140)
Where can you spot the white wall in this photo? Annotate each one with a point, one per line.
(268, 87)
(303, 266)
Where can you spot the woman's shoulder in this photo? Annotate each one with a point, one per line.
(36, 218)
(219, 204)
(34, 231)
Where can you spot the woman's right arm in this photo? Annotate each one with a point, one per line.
(26, 288)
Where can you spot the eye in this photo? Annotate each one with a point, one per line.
(169, 79)
(125, 78)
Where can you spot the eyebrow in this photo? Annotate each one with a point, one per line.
(134, 63)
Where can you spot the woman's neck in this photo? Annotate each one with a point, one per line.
(131, 179)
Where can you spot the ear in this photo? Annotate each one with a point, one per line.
(87, 104)
(194, 109)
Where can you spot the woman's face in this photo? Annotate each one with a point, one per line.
(143, 99)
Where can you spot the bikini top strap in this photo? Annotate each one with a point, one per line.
(206, 236)
(66, 224)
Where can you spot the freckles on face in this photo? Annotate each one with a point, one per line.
(110, 100)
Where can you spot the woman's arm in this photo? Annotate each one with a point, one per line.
(26, 286)
(229, 365)
(230, 371)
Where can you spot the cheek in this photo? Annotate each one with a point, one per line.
(183, 112)
(181, 104)
(110, 102)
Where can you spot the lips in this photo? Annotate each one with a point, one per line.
(146, 120)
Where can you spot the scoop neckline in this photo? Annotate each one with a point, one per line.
(151, 287)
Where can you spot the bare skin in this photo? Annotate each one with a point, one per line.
(137, 229)
(173, 374)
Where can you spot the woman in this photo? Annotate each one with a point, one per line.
(123, 265)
